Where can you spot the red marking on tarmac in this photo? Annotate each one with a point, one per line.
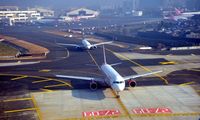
(151, 110)
(101, 113)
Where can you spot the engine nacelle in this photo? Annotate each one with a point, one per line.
(95, 46)
(132, 83)
(93, 85)
(77, 47)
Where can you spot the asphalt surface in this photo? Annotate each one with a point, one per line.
(21, 80)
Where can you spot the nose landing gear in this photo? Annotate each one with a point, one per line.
(118, 96)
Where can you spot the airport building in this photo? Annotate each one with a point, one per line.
(43, 12)
(17, 16)
(6, 8)
(81, 13)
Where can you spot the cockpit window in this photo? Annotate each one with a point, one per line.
(118, 82)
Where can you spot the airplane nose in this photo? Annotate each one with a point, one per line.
(119, 88)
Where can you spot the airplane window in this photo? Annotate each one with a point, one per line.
(118, 82)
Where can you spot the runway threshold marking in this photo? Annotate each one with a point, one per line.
(17, 99)
(145, 68)
(21, 77)
(37, 108)
(94, 60)
(20, 110)
(188, 83)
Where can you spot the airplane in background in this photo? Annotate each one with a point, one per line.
(186, 14)
(179, 14)
(112, 77)
(85, 45)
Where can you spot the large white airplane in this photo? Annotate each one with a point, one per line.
(112, 77)
(86, 45)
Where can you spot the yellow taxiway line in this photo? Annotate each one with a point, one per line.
(121, 104)
(188, 83)
(58, 85)
(168, 63)
(20, 110)
(37, 108)
(39, 81)
(21, 77)
(17, 99)
(46, 90)
(44, 70)
(38, 77)
(145, 68)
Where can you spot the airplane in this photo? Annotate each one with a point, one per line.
(112, 78)
(179, 14)
(85, 45)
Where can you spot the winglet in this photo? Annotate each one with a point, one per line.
(104, 55)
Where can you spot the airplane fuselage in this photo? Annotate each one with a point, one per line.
(86, 44)
(114, 79)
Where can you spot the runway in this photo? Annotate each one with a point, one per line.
(37, 87)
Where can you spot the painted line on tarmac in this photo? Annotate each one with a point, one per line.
(18, 78)
(39, 81)
(17, 99)
(168, 63)
(20, 110)
(121, 104)
(38, 77)
(94, 60)
(46, 90)
(57, 85)
(138, 115)
(145, 68)
(187, 83)
(37, 108)
(44, 70)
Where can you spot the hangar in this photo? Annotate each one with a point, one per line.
(83, 13)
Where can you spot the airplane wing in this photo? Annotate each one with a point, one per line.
(102, 43)
(140, 75)
(63, 44)
(81, 78)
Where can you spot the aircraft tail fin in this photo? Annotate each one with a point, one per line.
(104, 55)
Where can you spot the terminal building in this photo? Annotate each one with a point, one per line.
(17, 16)
(81, 13)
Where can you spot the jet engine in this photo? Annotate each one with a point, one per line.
(132, 83)
(77, 47)
(93, 47)
(93, 85)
